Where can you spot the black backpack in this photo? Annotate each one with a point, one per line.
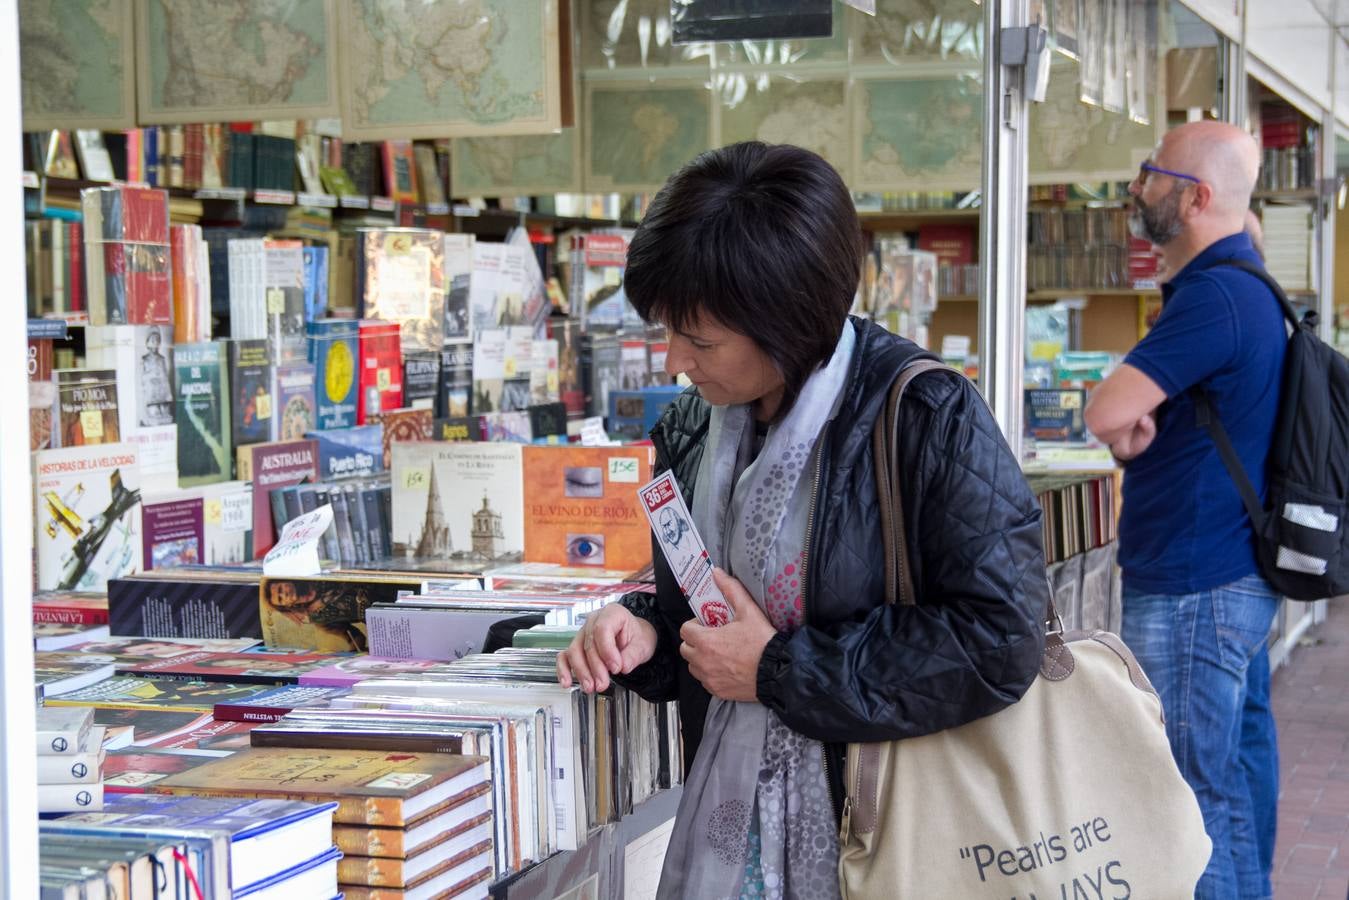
(1302, 544)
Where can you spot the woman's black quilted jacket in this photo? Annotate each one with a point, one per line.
(862, 669)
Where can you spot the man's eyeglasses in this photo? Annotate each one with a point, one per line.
(1144, 169)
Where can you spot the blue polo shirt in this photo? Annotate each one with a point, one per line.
(1183, 527)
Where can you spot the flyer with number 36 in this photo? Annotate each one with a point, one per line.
(684, 550)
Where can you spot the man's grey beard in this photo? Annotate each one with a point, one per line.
(1159, 223)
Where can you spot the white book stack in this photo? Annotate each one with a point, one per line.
(69, 761)
(1288, 245)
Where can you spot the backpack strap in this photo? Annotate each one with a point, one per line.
(1206, 415)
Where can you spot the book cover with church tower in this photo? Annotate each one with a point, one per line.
(458, 501)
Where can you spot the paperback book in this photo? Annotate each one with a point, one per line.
(458, 502)
(203, 413)
(88, 510)
(333, 350)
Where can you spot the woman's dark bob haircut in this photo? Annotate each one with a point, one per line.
(762, 238)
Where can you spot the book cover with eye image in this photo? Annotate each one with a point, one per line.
(582, 507)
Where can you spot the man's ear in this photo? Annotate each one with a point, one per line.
(1201, 199)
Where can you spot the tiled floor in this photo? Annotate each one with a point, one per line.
(1311, 705)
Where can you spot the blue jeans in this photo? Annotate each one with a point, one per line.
(1205, 654)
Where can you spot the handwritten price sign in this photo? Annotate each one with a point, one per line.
(297, 553)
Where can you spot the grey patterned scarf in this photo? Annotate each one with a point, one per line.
(755, 817)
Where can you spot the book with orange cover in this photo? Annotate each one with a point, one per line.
(582, 509)
(370, 788)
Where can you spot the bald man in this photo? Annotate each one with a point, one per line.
(1196, 611)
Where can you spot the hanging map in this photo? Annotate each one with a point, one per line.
(76, 64)
(1072, 141)
(810, 114)
(517, 165)
(918, 134)
(638, 135)
(216, 60)
(452, 69)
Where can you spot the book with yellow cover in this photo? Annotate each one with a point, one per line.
(370, 787)
(128, 692)
(582, 509)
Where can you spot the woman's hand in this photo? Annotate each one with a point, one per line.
(611, 641)
(726, 659)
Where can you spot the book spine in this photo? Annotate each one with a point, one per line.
(348, 741)
(79, 768)
(234, 712)
(370, 871)
(69, 798)
(69, 615)
(64, 744)
(351, 810)
(353, 840)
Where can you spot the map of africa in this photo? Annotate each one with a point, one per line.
(77, 69)
(511, 166)
(919, 134)
(468, 68)
(208, 60)
(810, 114)
(638, 136)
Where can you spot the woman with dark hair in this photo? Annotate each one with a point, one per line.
(750, 256)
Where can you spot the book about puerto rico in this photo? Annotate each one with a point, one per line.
(87, 502)
(268, 467)
(370, 788)
(202, 412)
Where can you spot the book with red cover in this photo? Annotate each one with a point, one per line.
(381, 381)
(405, 425)
(953, 244)
(271, 706)
(270, 466)
(71, 607)
(133, 770)
(239, 668)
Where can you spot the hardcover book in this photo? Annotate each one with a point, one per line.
(227, 516)
(183, 607)
(271, 466)
(127, 253)
(315, 283)
(284, 297)
(88, 516)
(139, 355)
(401, 279)
(370, 788)
(400, 176)
(250, 378)
(240, 668)
(71, 607)
(458, 502)
(174, 532)
(127, 692)
(295, 411)
(56, 672)
(404, 425)
(86, 408)
(458, 279)
(381, 374)
(203, 413)
(464, 814)
(583, 509)
(347, 452)
(271, 706)
(130, 772)
(346, 671)
(453, 400)
(421, 378)
(324, 613)
(333, 349)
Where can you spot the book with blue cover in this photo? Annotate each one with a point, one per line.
(347, 452)
(244, 843)
(333, 351)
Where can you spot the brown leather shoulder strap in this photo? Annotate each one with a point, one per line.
(885, 444)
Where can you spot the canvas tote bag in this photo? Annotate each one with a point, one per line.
(1069, 793)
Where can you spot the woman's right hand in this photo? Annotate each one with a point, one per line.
(611, 641)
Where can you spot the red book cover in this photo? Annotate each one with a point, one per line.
(70, 608)
(953, 244)
(381, 382)
(270, 466)
(400, 176)
(75, 277)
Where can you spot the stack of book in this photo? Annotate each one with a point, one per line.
(229, 847)
(70, 761)
(419, 805)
